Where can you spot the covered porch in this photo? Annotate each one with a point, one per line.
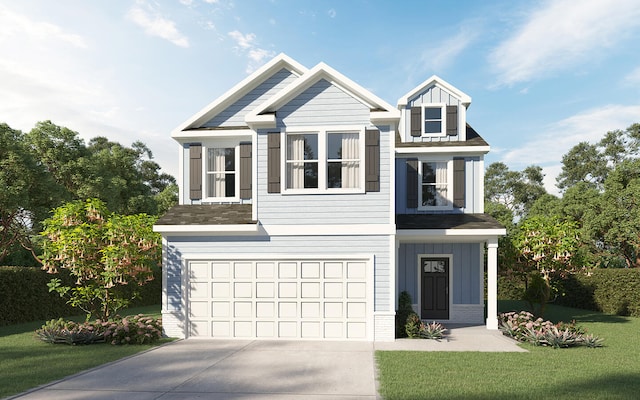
(440, 262)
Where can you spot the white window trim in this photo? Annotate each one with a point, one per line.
(322, 132)
(449, 205)
(443, 117)
(229, 143)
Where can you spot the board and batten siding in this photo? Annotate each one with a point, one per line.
(268, 247)
(473, 197)
(433, 95)
(466, 270)
(235, 113)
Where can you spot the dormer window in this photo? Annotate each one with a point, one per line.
(221, 172)
(434, 119)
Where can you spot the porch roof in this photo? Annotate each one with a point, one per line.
(447, 221)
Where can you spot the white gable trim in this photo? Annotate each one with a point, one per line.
(264, 117)
(239, 90)
(435, 80)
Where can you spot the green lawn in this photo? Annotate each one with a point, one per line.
(611, 372)
(26, 362)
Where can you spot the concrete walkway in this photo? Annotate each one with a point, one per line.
(225, 369)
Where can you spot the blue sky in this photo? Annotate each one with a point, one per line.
(542, 75)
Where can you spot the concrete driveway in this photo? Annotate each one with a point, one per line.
(221, 369)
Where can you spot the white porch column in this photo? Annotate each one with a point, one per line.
(492, 283)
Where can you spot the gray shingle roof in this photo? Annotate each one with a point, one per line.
(446, 221)
(210, 214)
(473, 139)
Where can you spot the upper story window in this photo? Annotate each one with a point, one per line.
(432, 119)
(324, 160)
(435, 182)
(221, 172)
(436, 119)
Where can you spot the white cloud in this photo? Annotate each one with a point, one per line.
(633, 77)
(438, 58)
(547, 148)
(246, 43)
(156, 25)
(14, 26)
(563, 34)
(332, 13)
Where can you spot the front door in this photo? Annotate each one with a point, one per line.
(435, 288)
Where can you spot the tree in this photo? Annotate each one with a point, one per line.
(544, 246)
(614, 220)
(104, 252)
(25, 188)
(517, 190)
(592, 163)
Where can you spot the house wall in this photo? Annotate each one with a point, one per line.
(433, 94)
(234, 114)
(324, 105)
(466, 271)
(473, 191)
(175, 248)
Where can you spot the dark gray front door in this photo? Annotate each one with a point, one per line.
(434, 274)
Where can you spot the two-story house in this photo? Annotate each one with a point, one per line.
(307, 204)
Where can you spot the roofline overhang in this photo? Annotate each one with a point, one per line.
(449, 235)
(200, 230)
(444, 150)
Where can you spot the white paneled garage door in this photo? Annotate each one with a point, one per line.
(278, 299)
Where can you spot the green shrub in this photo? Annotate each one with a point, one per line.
(138, 329)
(524, 327)
(612, 291)
(25, 297)
(402, 313)
(416, 329)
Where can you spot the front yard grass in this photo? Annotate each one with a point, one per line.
(26, 362)
(610, 372)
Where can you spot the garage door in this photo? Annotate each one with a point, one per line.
(278, 299)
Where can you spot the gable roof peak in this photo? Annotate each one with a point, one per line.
(235, 93)
(380, 109)
(435, 80)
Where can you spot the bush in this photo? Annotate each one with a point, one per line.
(25, 297)
(524, 327)
(138, 329)
(415, 328)
(612, 291)
(402, 313)
(510, 288)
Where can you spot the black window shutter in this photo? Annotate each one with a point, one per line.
(245, 170)
(416, 121)
(459, 182)
(452, 120)
(372, 160)
(412, 183)
(195, 171)
(273, 162)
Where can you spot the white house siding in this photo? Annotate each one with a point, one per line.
(466, 270)
(473, 177)
(175, 249)
(234, 114)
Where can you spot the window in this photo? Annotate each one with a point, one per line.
(324, 160)
(343, 160)
(432, 119)
(302, 161)
(435, 182)
(221, 172)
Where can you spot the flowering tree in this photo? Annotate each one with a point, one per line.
(104, 252)
(543, 246)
